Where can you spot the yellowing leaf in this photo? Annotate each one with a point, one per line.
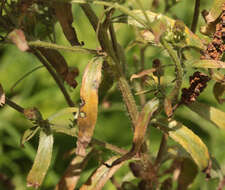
(215, 11)
(2, 96)
(209, 113)
(206, 63)
(42, 160)
(89, 106)
(101, 176)
(189, 141)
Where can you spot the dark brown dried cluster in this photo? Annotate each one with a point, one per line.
(216, 48)
(198, 82)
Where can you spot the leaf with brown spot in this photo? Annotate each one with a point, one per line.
(100, 176)
(42, 160)
(89, 109)
(18, 38)
(64, 15)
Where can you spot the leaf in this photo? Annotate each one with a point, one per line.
(99, 177)
(218, 91)
(189, 170)
(209, 113)
(140, 129)
(168, 107)
(89, 104)
(42, 160)
(206, 63)
(215, 11)
(64, 14)
(188, 140)
(18, 38)
(72, 174)
(28, 134)
(2, 96)
(190, 38)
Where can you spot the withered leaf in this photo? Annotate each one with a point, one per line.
(18, 38)
(142, 74)
(89, 107)
(2, 96)
(64, 15)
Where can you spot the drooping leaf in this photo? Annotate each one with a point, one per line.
(28, 134)
(188, 140)
(42, 160)
(60, 65)
(100, 176)
(206, 63)
(188, 172)
(218, 91)
(140, 129)
(142, 74)
(18, 38)
(209, 113)
(89, 104)
(63, 11)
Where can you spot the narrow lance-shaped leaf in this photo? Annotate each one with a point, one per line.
(2, 96)
(218, 91)
(206, 63)
(64, 14)
(28, 134)
(209, 113)
(99, 177)
(188, 140)
(42, 160)
(140, 129)
(89, 104)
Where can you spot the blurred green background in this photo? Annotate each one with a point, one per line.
(113, 124)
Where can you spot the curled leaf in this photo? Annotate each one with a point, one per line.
(18, 38)
(101, 176)
(188, 140)
(215, 11)
(89, 106)
(42, 160)
(142, 74)
(209, 113)
(28, 134)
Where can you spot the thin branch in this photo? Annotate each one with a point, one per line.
(195, 16)
(14, 105)
(55, 76)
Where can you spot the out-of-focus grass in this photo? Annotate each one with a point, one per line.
(40, 90)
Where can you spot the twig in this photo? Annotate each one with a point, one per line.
(55, 76)
(195, 16)
(14, 105)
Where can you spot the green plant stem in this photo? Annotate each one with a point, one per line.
(14, 105)
(173, 96)
(55, 76)
(195, 16)
(162, 150)
(108, 47)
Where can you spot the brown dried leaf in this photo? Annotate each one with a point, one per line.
(18, 38)
(2, 96)
(215, 11)
(89, 109)
(63, 13)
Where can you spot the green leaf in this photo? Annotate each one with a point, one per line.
(42, 160)
(218, 91)
(209, 113)
(188, 140)
(101, 175)
(28, 134)
(206, 63)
